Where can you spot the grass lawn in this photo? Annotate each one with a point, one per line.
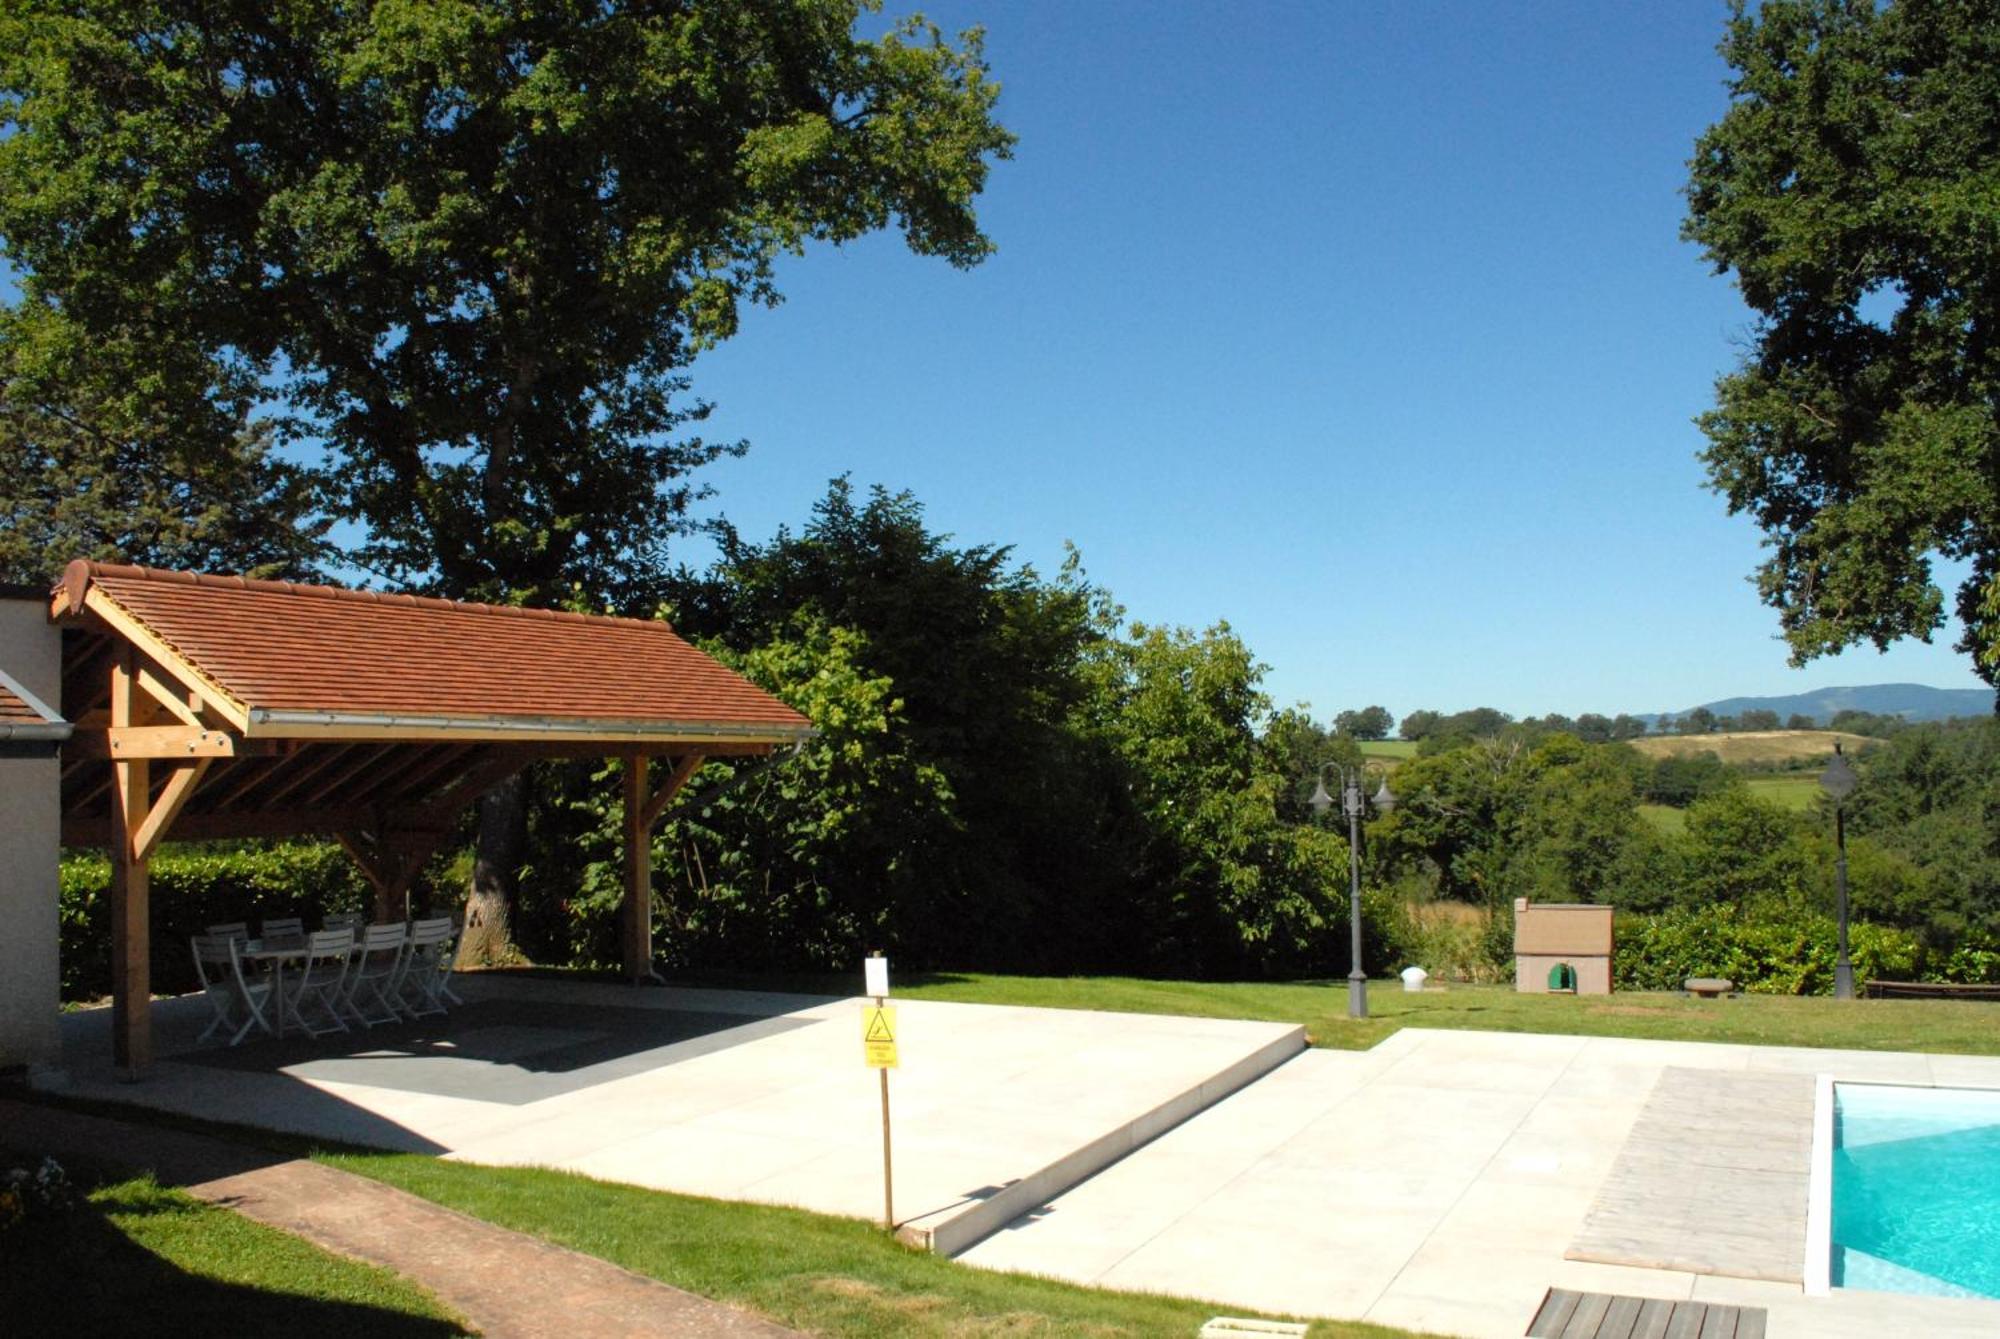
(140, 1253)
(141, 1260)
(1388, 748)
(1962, 1027)
(827, 1275)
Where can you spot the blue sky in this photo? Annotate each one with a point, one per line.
(1365, 327)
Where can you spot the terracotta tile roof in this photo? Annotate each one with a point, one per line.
(284, 647)
(13, 709)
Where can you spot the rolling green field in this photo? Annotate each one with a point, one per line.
(1756, 747)
(1664, 817)
(1396, 749)
(1798, 791)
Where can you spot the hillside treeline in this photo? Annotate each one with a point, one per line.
(1556, 819)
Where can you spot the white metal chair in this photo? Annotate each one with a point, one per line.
(427, 972)
(213, 965)
(281, 927)
(253, 990)
(375, 977)
(231, 929)
(344, 920)
(322, 976)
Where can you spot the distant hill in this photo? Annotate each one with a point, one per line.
(1911, 701)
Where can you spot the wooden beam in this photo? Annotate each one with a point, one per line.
(638, 908)
(131, 937)
(162, 741)
(173, 797)
(661, 798)
(175, 700)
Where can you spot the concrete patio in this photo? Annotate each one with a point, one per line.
(1436, 1183)
(732, 1094)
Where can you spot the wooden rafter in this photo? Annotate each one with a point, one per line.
(412, 783)
(312, 764)
(241, 776)
(363, 757)
(140, 638)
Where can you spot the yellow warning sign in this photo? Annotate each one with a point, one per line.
(878, 1035)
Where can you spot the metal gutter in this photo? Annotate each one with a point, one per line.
(51, 727)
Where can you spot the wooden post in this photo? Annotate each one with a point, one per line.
(131, 936)
(638, 874)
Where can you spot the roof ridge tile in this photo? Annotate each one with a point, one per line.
(83, 570)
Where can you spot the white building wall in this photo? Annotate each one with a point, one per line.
(30, 846)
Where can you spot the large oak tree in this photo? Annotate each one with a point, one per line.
(459, 254)
(1853, 189)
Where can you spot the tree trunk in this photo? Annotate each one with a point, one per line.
(496, 865)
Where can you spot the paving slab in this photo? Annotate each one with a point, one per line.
(738, 1095)
(1712, 1179)
(1436, 1183)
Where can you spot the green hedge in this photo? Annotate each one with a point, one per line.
(1781, 954)
(193, 888)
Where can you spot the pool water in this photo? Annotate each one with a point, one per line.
(1916, 1189)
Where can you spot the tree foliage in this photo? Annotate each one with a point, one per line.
(1851, 188)
(466, 249)
(1367, 723)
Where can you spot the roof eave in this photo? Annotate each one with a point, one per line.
(280, 723)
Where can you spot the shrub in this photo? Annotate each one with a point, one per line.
(194, 887)
(1774, 954)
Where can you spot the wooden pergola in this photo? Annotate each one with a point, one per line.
(213, 707)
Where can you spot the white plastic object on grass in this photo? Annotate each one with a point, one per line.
(1414, 978)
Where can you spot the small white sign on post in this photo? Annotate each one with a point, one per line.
(879, 1043)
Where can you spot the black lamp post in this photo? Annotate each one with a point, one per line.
(1838, 781)
(1350, 804)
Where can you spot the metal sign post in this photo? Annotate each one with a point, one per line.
(878, 1046)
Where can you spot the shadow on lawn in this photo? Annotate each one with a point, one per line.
(82, 1274)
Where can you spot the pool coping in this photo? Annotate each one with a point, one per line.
(1819, 1183)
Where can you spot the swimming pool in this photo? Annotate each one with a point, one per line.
(1915, 1186)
